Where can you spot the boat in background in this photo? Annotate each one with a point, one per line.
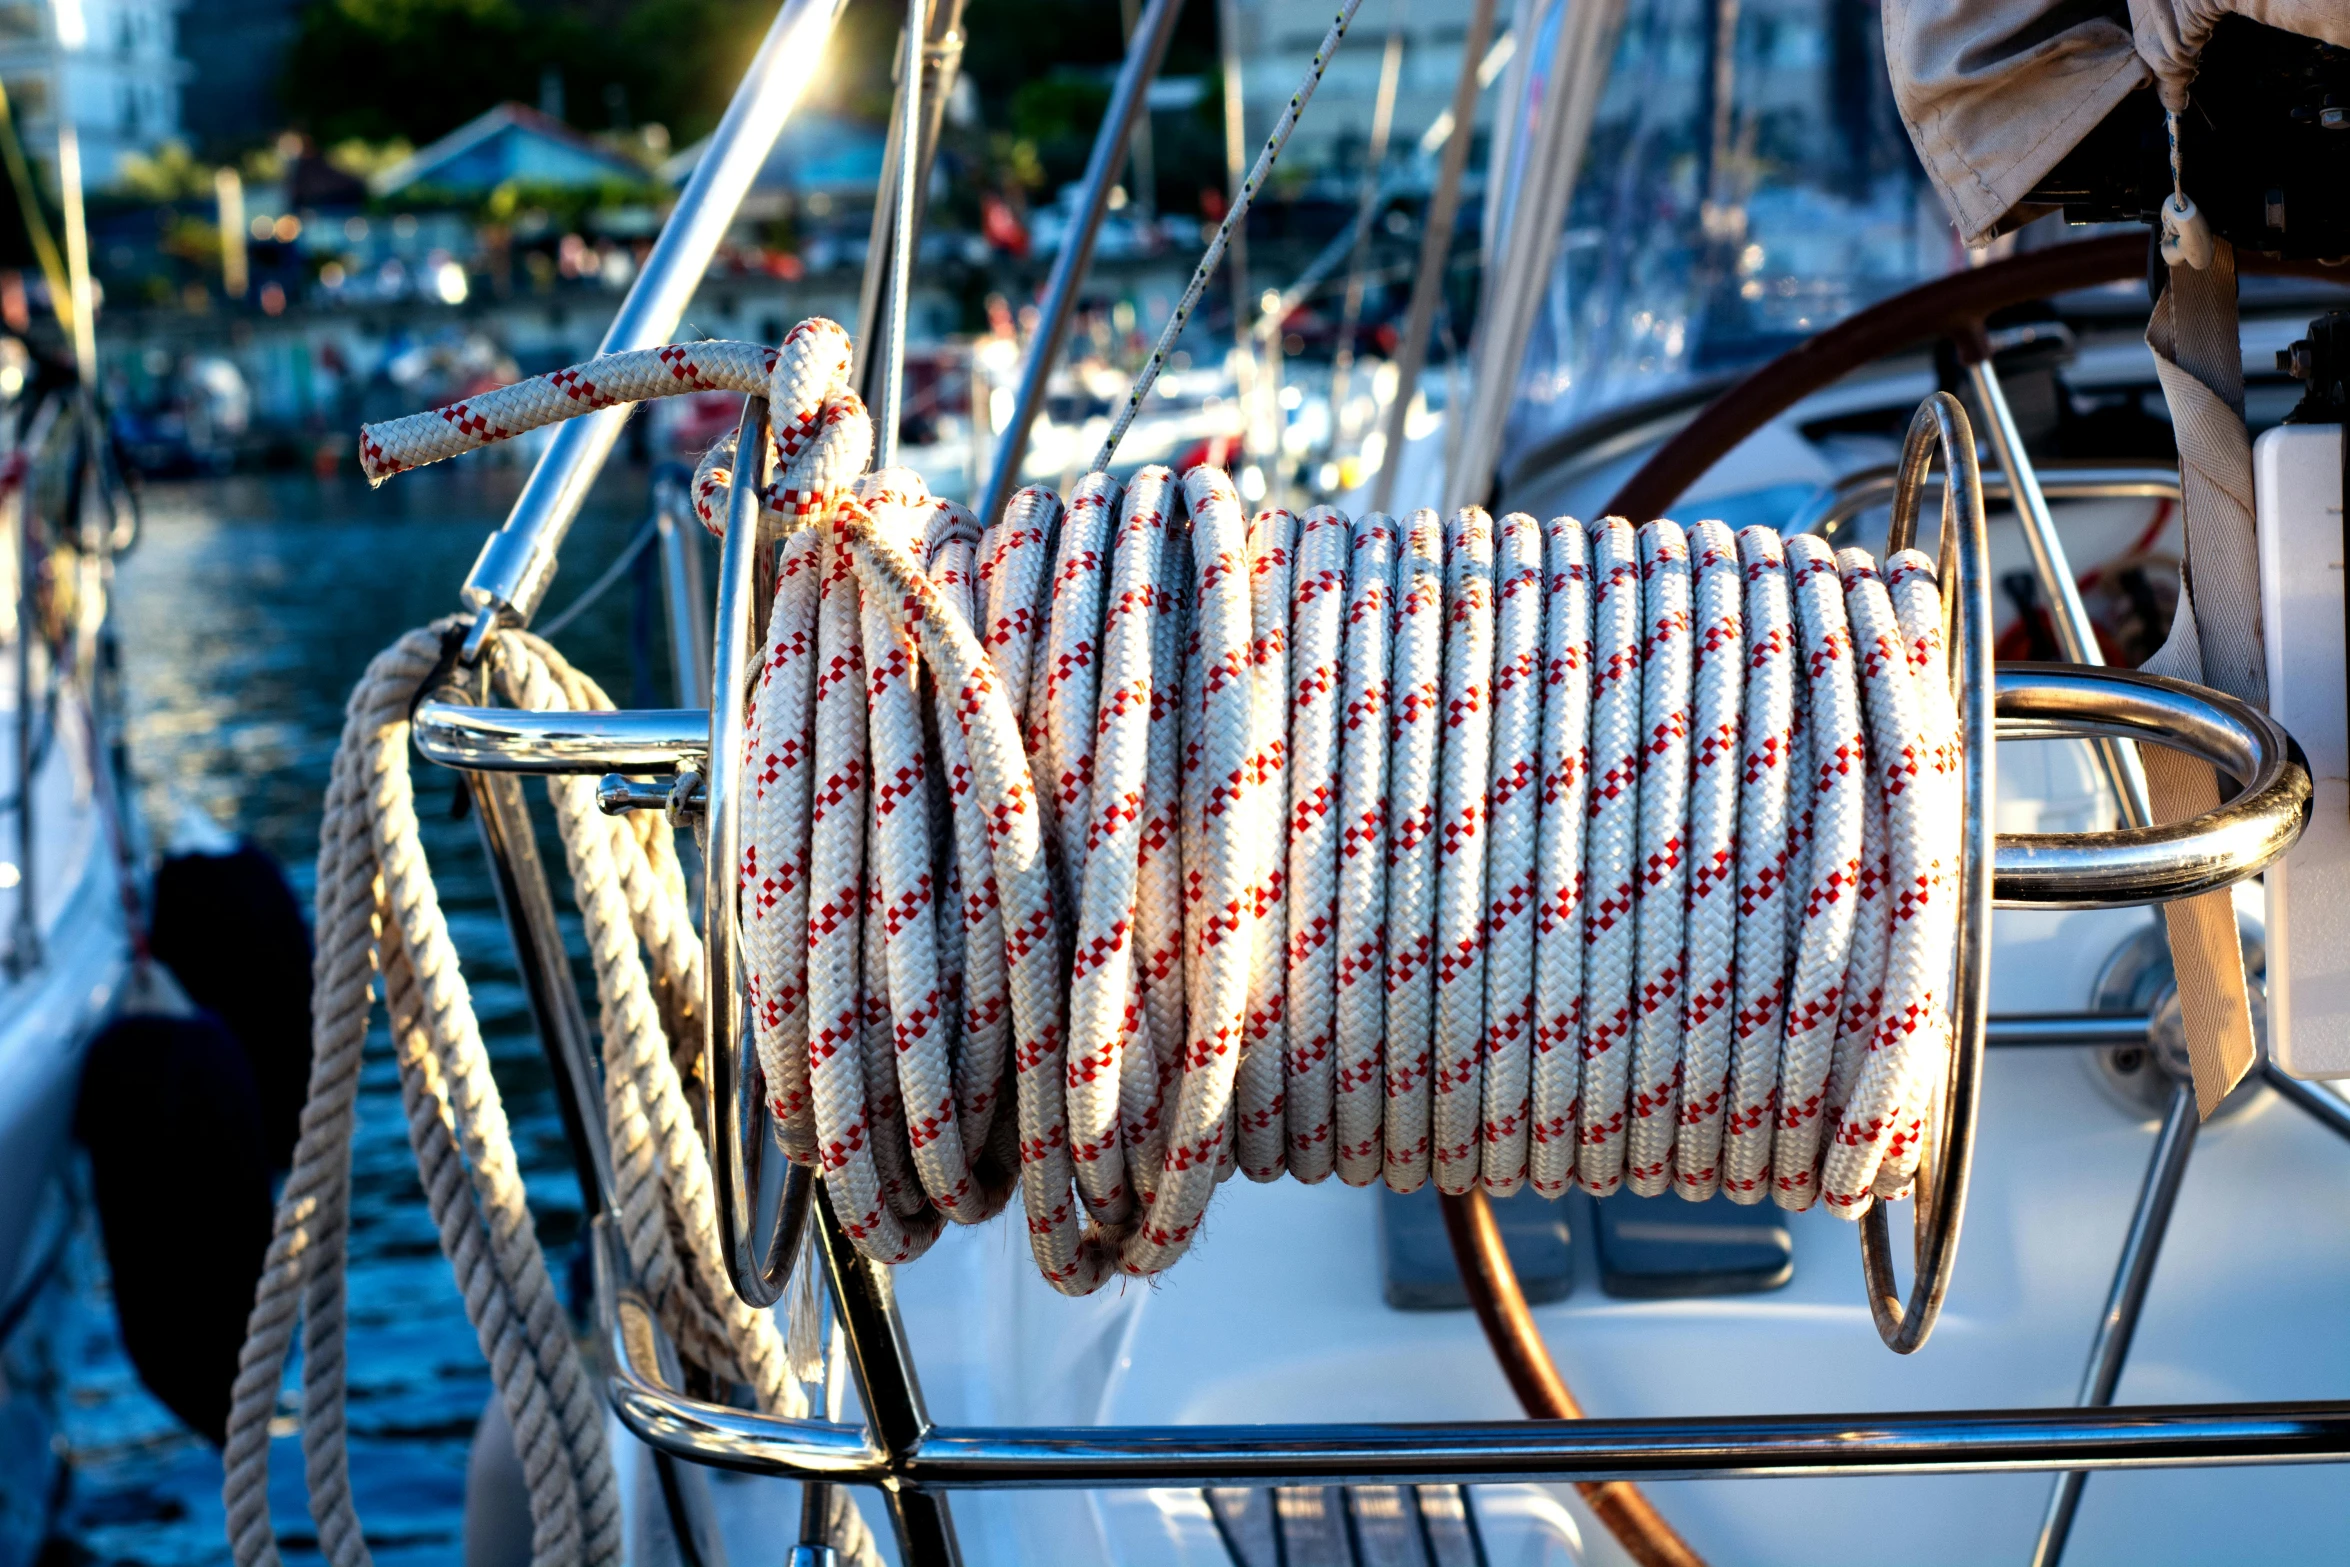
(67, 860)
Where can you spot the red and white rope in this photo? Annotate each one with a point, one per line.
(1661, 872)
(1261, 1129)
(1554, 1111)
(1513, 821)
(1316, 702)
(1710, 979)
(1415, 682)
(1359, 1010)
(1767, 846)
(1836, 783)
(1508, 853)
(1609, 857)
(1456, 1115)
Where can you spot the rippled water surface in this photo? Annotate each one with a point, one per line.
(247, 611)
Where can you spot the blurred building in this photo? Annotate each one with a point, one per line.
(511, 144)
(821, 163)
(1277, 40)
(111, 65)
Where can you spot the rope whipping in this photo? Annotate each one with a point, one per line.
(1110, 848)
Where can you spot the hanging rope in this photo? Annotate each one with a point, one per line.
(1487, 854)
(378, 914)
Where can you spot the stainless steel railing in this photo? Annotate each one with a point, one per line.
(649, 1402)
(2032, 702)
(510, 577)
(899, 1448)
(1868, 488)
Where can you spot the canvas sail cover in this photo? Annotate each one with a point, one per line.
(1995, 92)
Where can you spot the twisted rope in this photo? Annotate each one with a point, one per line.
(379, 914)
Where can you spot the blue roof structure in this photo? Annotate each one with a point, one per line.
(510, 144)
(817, 152)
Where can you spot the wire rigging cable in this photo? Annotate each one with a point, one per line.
(1100, 852)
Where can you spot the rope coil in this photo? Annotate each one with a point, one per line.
(1491, 854)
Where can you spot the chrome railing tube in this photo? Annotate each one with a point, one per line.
(2062, 1030)
(686, 603)
(643, 1388)
(518, 561)
(2126, 1301)
(2176, 859)
(2330, 1109)
(2035, 702)
(1129, 101)
(502, 813)
(889, 408)
(758, 1264)
(882, 1362)
(1964, 569)
(2076, 637)
(1857, 492)
(515, 740)
(942, 58)
(24, 936)
(642, 1382)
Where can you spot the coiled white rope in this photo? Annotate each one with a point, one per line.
(1542, 853)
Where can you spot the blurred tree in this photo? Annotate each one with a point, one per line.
(376, 69)
(1057, 115)
(383, 70)
(678, 60)
(366, 159)
(170, 173)
(1043, 70)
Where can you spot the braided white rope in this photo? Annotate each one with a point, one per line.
(1415, 683)
(1661, 872)
(1608, 855)
(1317, 622)
(1158, 913)
(1767, 848)
(1711, 941)
(1359, 1085)
(1458, 940)
(377, 908)
(1513, 848)
(1555, 1129)
(1835, 818)
(798, 378)
(1264, 785)
(1521, 853)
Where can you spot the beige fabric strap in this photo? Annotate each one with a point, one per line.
(2214, 639)
(2205, 950)
(2201, 363)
